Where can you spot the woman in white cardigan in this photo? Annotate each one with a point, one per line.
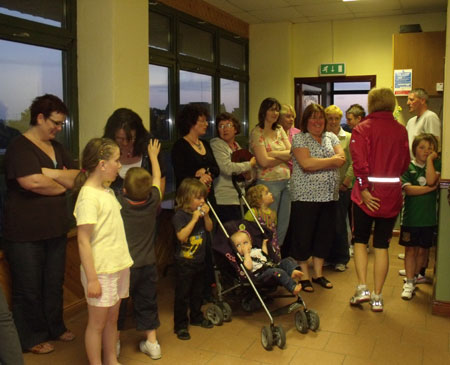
(227, 198)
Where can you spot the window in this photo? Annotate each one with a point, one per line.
(37, 56)
(193, 62)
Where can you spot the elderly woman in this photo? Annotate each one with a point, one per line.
(287, 119)
(38, 173)
(126, 128)
(318, 155)
(380, 155)
(271, 147)
(339, 255)
(191, 155)
(227, 200)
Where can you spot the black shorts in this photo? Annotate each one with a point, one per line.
(363, 228)
(423, 237)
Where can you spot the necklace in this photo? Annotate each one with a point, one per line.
(198, 144)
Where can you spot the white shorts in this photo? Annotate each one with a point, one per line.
(114, 286)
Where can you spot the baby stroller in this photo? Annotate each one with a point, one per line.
(221, 311)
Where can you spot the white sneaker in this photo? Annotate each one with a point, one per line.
(401, 256)
(402, 272)
(408, 291)
(423, 280)
(118, 348)
(351, 251)
(362, 295)
(376, 302)
(151, 349)
(340, 267)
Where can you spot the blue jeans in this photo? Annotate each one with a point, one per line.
(281, 205)
(10, 351)
(281, 274)
(37, 273)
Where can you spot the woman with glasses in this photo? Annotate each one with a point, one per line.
(227, 199)
(317, 157)
(39, 171)
(271, 147)
(126, 128)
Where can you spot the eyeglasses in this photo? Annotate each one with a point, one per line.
(56, 123)
(226, 125)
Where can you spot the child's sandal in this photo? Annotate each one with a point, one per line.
(306, 286)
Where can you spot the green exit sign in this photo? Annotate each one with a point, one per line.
(327, 69)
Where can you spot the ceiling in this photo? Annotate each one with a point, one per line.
(304, 11)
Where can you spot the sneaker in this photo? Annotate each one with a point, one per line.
(151, 349)
(340, 267)
(401, 256)
(351, 251)
(362, 295)
(118, 348)
(408, 291)
(402, 272)
(420, 279)
(376, 302)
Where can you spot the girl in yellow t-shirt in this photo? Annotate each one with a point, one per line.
(105, 259)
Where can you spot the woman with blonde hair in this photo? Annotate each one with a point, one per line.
(287, 121)
(380, 153)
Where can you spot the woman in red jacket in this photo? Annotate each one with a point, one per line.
(379, 148)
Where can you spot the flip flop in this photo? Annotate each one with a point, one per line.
(306, 286)
(323, 282)
(42, 348)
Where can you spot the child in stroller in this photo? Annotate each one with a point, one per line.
(257, 260)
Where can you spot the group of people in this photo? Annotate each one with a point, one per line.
(303, 180)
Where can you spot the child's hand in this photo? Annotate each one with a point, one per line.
(433, 155)
(153, 147)
(197, 214)
(94, 290)
(205, 209)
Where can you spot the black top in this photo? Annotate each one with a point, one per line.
(186, 161)
(31, 216)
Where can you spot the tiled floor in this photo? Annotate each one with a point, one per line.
(405, 333)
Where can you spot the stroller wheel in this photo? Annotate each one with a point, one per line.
(313, 319)
(215, 314)
(266, 338)
(279, 336)
(301, 322)
(226, 310)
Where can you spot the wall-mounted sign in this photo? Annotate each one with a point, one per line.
(402, 82)
(331, 69)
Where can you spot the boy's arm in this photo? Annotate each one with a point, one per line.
(430, 173)
(94, 290)
(184, 233)
(413, 190)
(153, 149)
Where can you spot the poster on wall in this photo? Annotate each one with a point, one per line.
(402, 82)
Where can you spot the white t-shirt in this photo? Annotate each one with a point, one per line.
(108, 241)
(428, 122)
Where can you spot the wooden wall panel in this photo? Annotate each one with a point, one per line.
(210, 14)
(424, 53)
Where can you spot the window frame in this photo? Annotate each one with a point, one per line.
(24, 31)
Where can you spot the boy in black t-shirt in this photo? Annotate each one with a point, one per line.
(140, 201)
